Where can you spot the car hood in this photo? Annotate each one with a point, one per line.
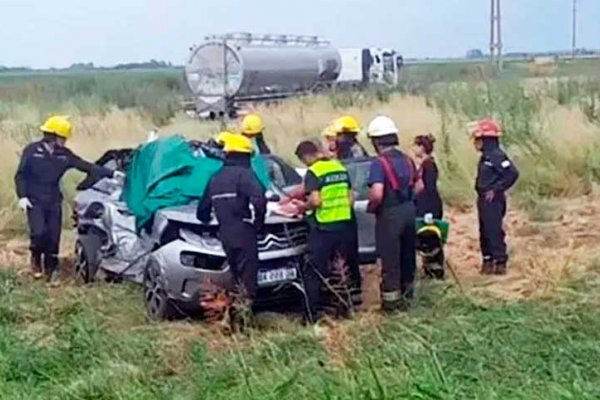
(187, 214)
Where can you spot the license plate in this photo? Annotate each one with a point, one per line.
(276, 276)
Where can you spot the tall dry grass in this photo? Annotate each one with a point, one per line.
(551, 131)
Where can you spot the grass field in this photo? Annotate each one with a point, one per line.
(531, 335)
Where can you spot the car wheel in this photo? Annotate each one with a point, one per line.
(157, 302)
(86, 258)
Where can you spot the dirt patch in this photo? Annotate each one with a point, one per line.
(542, 254)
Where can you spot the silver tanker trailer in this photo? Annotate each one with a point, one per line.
(229, 70)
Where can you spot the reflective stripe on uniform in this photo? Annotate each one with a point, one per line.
(224, 196)
(391, 296)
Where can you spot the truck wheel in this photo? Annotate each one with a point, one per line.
(86, 258)
(157, 302)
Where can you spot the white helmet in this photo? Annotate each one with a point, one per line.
(381, 126)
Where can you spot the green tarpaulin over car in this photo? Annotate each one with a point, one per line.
(166, 173)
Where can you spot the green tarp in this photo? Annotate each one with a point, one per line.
(166, 173)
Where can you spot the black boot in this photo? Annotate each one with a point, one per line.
(36, 265)
(487, 268)
(393, 307)
(500, 267)
(51, 269)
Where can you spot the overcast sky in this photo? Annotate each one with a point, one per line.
(43, 33)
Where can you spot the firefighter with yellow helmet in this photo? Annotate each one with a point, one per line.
(239, 203)
(329, 141)
(347, 129)
(37, 181)
(252, 127)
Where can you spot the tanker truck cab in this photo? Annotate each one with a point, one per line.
(370, 66)
(385, 67)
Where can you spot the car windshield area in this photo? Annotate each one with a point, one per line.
(359, 175)
(282, 174)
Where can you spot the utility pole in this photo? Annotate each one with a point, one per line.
(496, 34)
(574, 37)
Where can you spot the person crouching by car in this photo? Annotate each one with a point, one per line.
(240, 206)
(391, 184)
(333, 237)
(37, 181)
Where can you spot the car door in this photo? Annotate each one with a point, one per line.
(358, 169)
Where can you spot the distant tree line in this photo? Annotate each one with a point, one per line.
(477, 54)
(89, 66)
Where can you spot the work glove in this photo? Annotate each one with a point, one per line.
(118, 175)
(24, 204)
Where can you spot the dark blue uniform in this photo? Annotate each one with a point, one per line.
(395, 234)
(261, 145)
(38, 178)
(231, 192)
(349, 147)
(496, 173)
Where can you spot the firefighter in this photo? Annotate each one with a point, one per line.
(252, 127)
(496, 173)
(333, 234)
(37, 182)
(329, 141)
(239, 203)
(347, 129)
(391, 181)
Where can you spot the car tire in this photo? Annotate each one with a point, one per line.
(86, 258)
(156, 300)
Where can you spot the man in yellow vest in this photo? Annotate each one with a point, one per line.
(333, 238)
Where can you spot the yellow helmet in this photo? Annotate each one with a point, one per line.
(237, 144)
(252, 125)
(329, 132)
(222, 136)
(346, 124)
(58, 125)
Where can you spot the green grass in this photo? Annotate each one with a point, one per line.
(157, 94)
(92, 343)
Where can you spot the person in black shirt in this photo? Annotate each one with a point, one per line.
(496, 173)
(428, 199)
